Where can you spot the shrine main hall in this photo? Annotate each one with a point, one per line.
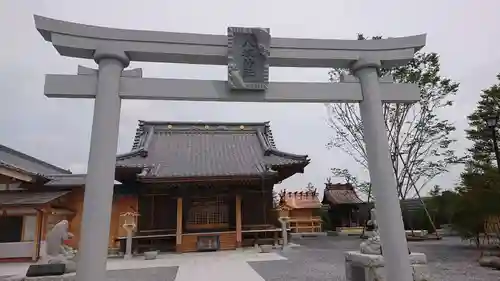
(195, 186)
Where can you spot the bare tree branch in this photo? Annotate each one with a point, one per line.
(419, 141)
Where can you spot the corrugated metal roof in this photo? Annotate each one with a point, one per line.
(412, 204)
(206, 149)
(14, 159)
(22, 198)
(336, 194)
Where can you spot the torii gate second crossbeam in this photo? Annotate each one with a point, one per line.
(248, 67)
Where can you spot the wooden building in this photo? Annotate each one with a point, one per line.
(345, 208)
(196, 186)
(26, 213)
(303, 210)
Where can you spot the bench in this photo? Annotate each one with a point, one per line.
(137, 247)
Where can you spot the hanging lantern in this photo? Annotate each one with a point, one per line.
(129, 220)
(283, 211)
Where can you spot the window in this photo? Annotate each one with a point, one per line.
(208, 210)
(10, 186)
(12, 228)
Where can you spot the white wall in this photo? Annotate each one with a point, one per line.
(17, 250)
(29, 225)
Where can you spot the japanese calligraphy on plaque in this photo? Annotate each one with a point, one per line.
(248, 54)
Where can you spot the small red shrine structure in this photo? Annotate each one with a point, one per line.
(303, 210)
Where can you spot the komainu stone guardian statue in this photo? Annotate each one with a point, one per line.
(55, 251)
(372, 245)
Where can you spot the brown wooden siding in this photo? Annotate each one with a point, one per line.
(303, 220)
(227, 241)
(74, 202)
(121, 204)
(301, 213)
(189, 243)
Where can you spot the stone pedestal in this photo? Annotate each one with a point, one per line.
(417, 233)
(363, 267)
(128, 245)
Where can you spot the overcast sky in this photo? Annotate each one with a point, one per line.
(464, 33)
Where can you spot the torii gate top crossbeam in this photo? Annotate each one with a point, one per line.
(78, 40)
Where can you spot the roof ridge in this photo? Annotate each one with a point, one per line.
(152, 122)
(140, 131)
(33, 159)
(269, 146)
(269, 134)
(14, 167)
(135, 152)
(52, 176)
(289, 155)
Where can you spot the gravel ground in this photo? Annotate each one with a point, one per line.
(321, 259)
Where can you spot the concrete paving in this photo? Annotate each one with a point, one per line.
(220, 266)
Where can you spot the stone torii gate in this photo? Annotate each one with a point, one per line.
(248, 52)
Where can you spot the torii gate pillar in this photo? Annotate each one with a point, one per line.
(112, 49)
(389, 219)
(99, 182)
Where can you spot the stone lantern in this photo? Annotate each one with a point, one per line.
(130, 225)
(283, 212)
(283, 218)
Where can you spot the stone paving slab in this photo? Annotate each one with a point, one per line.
(144, 274)
(137, 274)
(218, 271)
(220, 266)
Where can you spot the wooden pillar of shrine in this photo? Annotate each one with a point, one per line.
(238, 221)
(178, 236)
(38, 235)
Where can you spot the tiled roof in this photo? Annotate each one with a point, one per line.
(20, 198)
(174, 149)
(19, 161)
(337, 194)
(68, 180)
(411, 204)
(301, 200)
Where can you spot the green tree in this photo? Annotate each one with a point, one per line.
(419, 140)
(310, 187)
(441, 205)
(435, 191)
(479, 188)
